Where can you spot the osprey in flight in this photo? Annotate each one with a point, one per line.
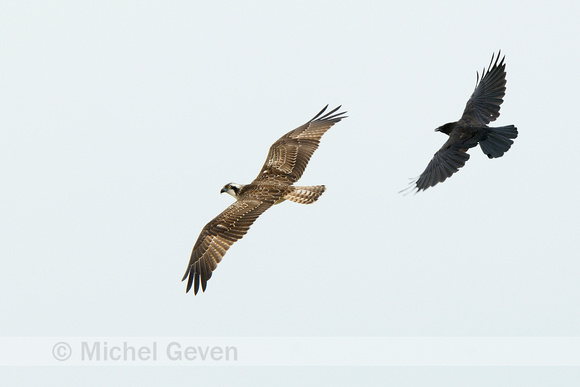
(471, 129)
(284, 165)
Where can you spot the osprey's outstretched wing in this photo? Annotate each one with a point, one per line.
(483, 105)
(216, 238)
(288, 157)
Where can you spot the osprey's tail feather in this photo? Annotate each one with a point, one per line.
(305, 195)
(498, 140)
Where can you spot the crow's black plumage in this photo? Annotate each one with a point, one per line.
(471, 129)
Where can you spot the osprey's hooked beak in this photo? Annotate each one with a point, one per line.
(223, 190)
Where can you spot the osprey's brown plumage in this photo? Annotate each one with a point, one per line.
(471, 129)
(285, 164)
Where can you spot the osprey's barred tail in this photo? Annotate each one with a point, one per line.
(305, 195)
(498, 140)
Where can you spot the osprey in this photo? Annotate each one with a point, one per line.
(471, 129)
(284, 165)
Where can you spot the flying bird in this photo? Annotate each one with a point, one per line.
(471, 129)
(285, 164)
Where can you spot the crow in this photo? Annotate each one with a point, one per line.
(471, 129)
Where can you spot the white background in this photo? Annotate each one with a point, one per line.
(120, 122)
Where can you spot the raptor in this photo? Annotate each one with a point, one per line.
(285, 164)
(471, 129)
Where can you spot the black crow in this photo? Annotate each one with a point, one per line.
(471, 129)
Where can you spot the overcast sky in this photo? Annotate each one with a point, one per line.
(120, 121)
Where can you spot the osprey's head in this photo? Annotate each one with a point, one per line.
(446, 128)
(232, 189)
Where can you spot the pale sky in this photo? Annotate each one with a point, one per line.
(121, 121)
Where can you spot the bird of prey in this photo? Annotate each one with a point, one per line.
(284, 165)
(471, 129)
